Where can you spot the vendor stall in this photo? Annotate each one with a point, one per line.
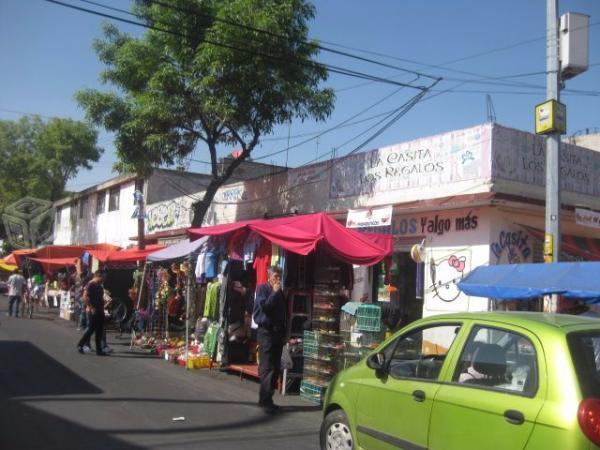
(316, 254)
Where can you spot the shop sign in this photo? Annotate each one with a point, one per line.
(371, 217)
(520, 156)
(168, 216)
(587, 218)
(511, 247)
(420, 164)
(437, 224)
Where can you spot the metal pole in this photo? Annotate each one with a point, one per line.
(552, 241)
(187, 311)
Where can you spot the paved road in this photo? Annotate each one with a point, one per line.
(51, 397)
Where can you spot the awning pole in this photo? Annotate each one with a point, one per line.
(187, 311)
(137, 306)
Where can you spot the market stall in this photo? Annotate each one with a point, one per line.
(316, 254)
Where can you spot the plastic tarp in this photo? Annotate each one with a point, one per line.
(125, 256)
(301, 235)
(56, 263)
(525, 281)
(180, 250)
(7, 267)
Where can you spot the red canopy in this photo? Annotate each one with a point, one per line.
(16, 256)
(301, 234)
(55, 263)
(586, 248)
(124, 256)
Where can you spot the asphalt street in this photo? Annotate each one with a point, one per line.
(51, 397)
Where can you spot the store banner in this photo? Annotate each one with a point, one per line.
(370, 217)
(587, 218)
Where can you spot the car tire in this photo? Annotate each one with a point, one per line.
(335, 432)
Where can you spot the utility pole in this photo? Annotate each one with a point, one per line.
(139, 199)
(552, 238)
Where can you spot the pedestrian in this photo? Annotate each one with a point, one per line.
(93, 297)
(16, 286)
(269, 314)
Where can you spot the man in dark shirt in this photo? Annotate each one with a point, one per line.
(93, 297)
(269, 314)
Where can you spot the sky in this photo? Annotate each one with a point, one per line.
(46, 56)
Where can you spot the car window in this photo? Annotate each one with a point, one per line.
(421, 353)
(585, 351)
(498, 359)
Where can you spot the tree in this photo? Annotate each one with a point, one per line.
(197, 78)
(39, 158)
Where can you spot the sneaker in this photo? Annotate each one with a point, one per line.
(80, 349)
(107, 349)
(101, 354)
(86, 349)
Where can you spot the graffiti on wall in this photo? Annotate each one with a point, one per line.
(511, 247)
(168, 216)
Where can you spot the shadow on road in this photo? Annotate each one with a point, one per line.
(24, 427)
(27, 371)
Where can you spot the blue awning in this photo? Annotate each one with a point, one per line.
(524, 281)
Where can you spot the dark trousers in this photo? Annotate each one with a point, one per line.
(270, 346)
(11, 301)
(96, 327)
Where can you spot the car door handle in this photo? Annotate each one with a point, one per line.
(418, 396)
(514, 417)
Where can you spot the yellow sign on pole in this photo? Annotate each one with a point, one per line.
(550, 117)
(548, 248)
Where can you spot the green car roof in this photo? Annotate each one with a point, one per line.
(525, 319)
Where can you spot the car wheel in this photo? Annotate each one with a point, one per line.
(335, 432)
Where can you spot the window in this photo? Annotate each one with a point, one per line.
(113, 199)
(101, 202)
(58, 215)
(498, 359)
(421, 353)
(82, 207)
(73, 212)
(585, 351)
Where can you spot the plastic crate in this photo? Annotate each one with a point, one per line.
(368, 318)
(312, 392)
(311, 337)
(310, 349)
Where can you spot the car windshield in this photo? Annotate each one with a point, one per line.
(585, 351)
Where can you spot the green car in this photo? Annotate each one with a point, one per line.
(496, 380)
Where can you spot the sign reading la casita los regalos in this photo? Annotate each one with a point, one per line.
(423, 163)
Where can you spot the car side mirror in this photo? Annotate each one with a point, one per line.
(377, 361)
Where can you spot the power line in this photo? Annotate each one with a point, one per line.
(276, 35)
(304, 62)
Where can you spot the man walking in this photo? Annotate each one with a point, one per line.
(16, 285)
(269, 314)
(93, 297)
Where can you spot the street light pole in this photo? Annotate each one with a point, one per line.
(552, 240)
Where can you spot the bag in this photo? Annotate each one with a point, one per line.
(287, 363)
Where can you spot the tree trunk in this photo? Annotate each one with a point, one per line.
(201, 207)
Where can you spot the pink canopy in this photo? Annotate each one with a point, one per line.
(302, 234)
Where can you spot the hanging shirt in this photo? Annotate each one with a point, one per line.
(250, 246)
(262, 262)
(211, 304)
(210, 265)
(200, 265)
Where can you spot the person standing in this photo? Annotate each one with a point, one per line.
(16, 285)
(269, 314)
(93, 297)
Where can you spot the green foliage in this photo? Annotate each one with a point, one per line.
(177, 91)
(38, 158)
